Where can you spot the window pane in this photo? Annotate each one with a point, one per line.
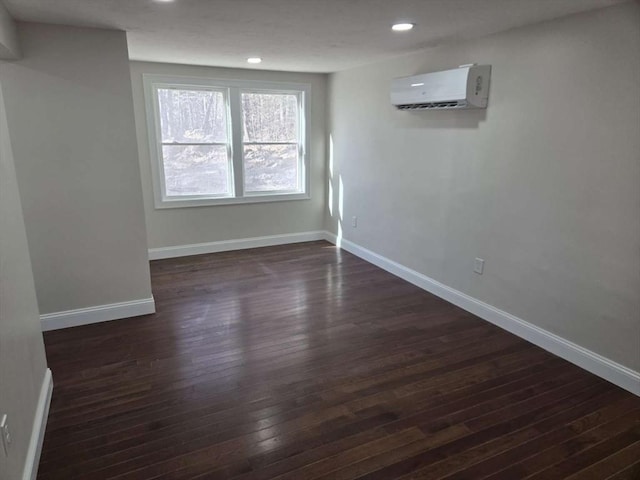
(269, 117)
(192, 116)
(196, 170)
(270, 167)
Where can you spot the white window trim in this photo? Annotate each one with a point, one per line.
(231, 90)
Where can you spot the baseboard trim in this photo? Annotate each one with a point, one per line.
(237, 244)
(100, 313)
(615, 373)
(39, 426)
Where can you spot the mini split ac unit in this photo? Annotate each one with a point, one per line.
(464, 87)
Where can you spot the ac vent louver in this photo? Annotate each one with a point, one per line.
(432, 105)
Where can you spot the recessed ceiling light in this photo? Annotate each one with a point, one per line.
(163, 1)
(402, 27)
(254, 60)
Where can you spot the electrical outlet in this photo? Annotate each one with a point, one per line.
(5, 435)
(354, 222)
(478, 266)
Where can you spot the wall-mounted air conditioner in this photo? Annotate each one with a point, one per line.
(463, 87)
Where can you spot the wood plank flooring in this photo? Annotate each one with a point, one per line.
(305, 362)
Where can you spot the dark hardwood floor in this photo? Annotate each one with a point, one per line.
(305, 362)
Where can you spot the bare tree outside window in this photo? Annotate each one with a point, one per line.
(194, 142)
(270, 141)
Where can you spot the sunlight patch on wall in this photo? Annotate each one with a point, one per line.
(330, 186)
(340, 198)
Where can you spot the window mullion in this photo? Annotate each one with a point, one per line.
(236, 140)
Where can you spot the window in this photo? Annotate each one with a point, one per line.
(270, 143)
(195, 142)
(219, 142)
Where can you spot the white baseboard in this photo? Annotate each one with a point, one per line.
(615, 373)
(237, 244)
(100, 313)
(39, 426)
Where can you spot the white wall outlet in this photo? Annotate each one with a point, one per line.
(354, 222)
(478, 266)
(5, 435)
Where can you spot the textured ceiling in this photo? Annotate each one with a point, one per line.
(298, 35)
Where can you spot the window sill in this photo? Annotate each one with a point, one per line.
(214, 202)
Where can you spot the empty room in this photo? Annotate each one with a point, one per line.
(304, 239)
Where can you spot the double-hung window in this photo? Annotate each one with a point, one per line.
(219, 141)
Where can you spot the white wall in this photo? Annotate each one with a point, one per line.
(185, 226)
(72, 128)
(544, 185)
(22, 358)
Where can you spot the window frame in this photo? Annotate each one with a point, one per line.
(232, 91)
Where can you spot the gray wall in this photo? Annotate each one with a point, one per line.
(9, 45)
(544, 185)
(72, 128)
(184, 226)
(22, 358)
